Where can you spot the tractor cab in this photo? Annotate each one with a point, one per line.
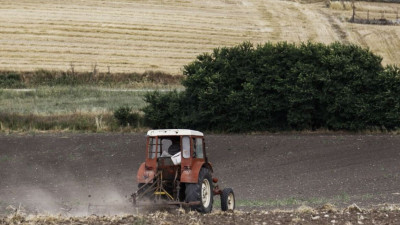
(170, 150)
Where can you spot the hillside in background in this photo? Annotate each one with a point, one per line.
(126, 36)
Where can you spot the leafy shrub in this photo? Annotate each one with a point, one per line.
(125, 116)
(164, 110)
(282, 86)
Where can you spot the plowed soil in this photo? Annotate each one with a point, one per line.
(64, 173)
(315, 216)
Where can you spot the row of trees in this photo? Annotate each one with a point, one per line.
(282, 86)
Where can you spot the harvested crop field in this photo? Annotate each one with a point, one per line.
(126, 36)
(64, 173)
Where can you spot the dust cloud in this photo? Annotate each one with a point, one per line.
(38, 190)
(68, 201)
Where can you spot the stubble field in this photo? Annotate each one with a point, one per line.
(164, 35)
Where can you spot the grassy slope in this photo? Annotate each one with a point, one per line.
(85, 108)
(61, 100)
(164, 35)
(58, 100)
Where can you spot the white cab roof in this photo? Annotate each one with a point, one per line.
(174, 132)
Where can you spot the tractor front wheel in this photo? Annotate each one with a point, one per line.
(227, 199)
(201, 192)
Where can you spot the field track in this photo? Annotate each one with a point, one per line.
(165, 35)
(63, 173)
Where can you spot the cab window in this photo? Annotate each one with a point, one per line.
(198, 148)
(152, 148)
(186, 147)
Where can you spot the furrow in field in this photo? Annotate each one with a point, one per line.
(226, 29)
(106, 32)
(222, 30)
(133, 29)
(105, 43)
(71, 47)
(67, 54)
(112, 37)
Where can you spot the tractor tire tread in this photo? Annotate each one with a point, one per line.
(193, 191)
(224, 198)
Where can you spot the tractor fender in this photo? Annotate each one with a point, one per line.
(144, 175)
(191, 174)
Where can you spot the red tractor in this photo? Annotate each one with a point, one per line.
(177, 172)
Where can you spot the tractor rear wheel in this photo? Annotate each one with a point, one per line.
(227, 199)
(202, 192)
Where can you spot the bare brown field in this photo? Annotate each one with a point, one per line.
(63, 173)
(277, 179)
(165, 35)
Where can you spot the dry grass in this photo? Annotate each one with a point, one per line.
(125, 35)
(134, 36)
(69, 122)
(148, 79)
(68, 108)
(64, 100)
(382, 40)
(375, 8)
(94, 122)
